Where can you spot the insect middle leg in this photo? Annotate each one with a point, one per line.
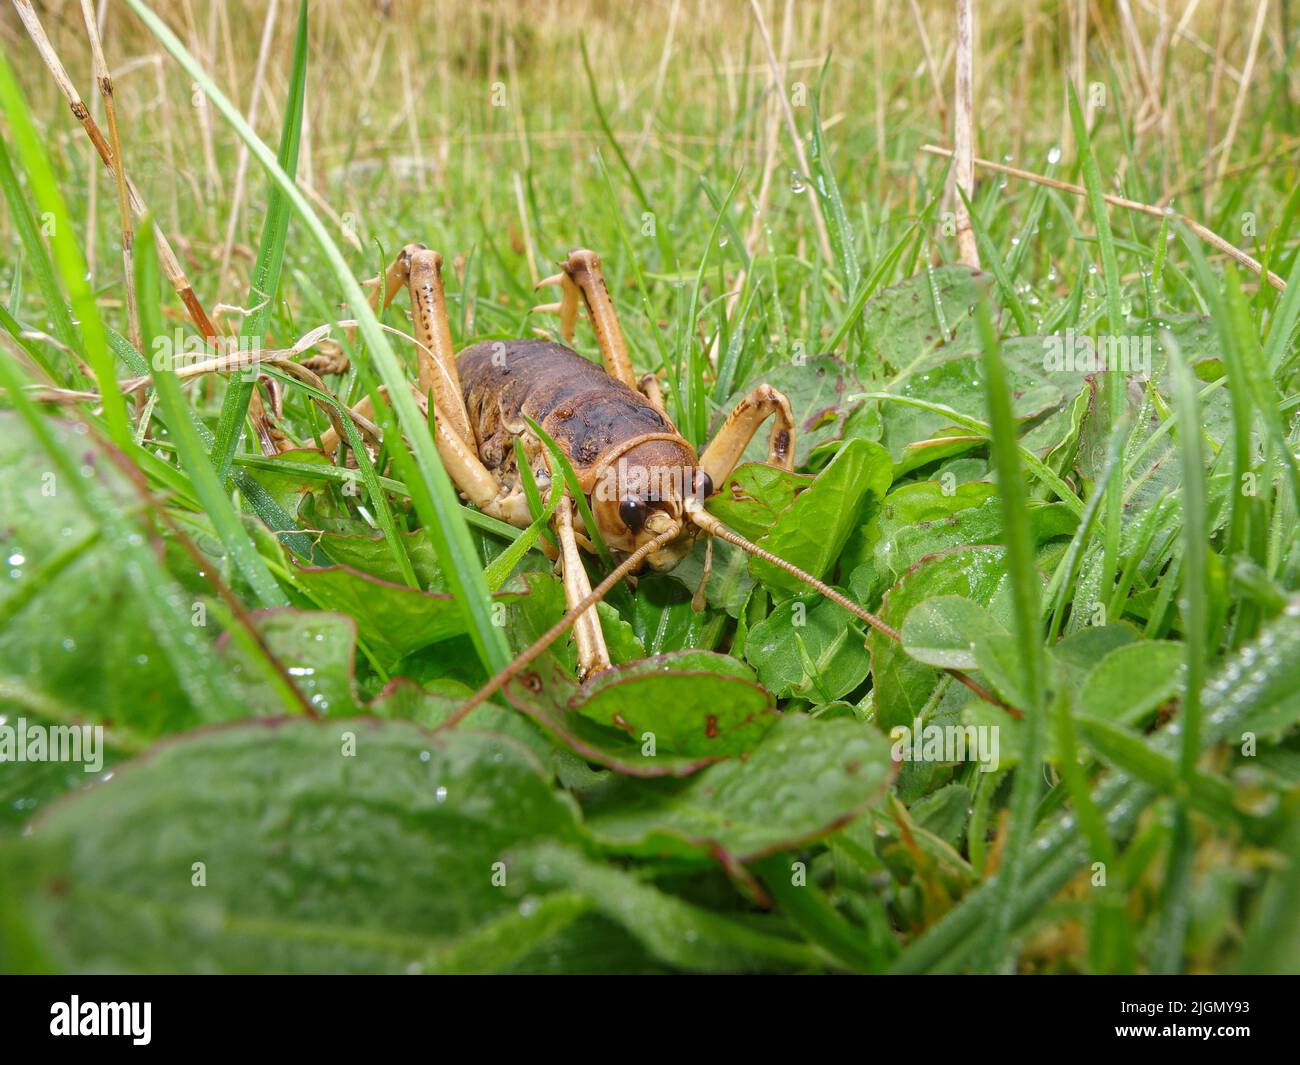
(724, 451)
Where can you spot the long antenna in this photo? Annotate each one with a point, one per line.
(696, 513)
(555, 631)
(706, 521)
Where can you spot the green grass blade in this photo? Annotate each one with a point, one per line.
(1115, 393)
(1067, 573)
(270, 257)
(431, 489)
(68, 257)
(503, 565)
(194, 458)
(38, 257)
(1026, 596)
(1168, 949)
(883, 270)
(560, 460)
(992, 258)
(694, 393)
(38, 357)
(1232, 341)
(660, 231)
(828, 192)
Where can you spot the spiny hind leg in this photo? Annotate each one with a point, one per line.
(592, 653)
(580, 276)
(420, 270)
(726, 448)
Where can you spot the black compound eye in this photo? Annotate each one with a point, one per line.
(633, 513)
(704, 484)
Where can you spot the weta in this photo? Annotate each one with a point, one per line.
(645, 483)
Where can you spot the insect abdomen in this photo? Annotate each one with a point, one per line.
(572, 398)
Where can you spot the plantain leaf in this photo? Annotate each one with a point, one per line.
(811, 532)
(291, 847)
(805, 779)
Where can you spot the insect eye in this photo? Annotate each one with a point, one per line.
(704, 484)
(633, 513)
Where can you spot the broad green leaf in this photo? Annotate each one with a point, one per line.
(1131, 682)
(74, 644)
(729, 581)
(902, 685)
(915, 520)
(942, 631)
(944, 812)
(922, 518)
(805, 779)
(544, 695)
(676, 932)
(997, 656)
(803, 631)
(430, 705)
(1079, 652)
(370, 555)
(691, 703)
(753, 497)
(663, 619)
(907, 321)
(811, 532)
(345, 847)
(957, 383)
(393, 620)
(318, 651)
(285, 480)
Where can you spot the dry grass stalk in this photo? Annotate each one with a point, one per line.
(241, 165)
(823, 237)
(166, 257)
(1206, 234)
(104, 80)
(1235, 120)
(963, 172)
(936, 80)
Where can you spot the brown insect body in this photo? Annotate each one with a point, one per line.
(620, 446)
(646, 486)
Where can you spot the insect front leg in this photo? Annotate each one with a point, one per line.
(723, 453)
(592, 653)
